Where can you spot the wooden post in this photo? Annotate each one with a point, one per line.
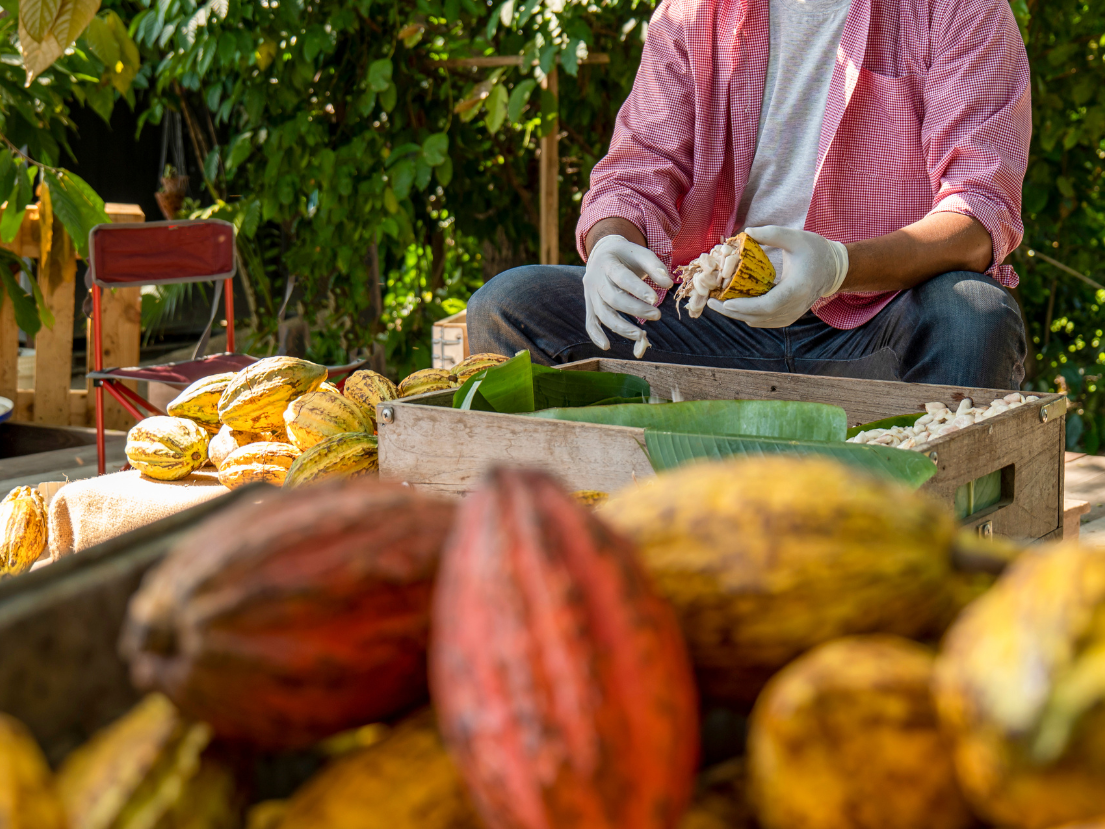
(54, 346)
(9, 350)
(549, 165)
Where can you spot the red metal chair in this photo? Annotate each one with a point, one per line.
(128, 255)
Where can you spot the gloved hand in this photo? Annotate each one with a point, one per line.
(614, 282)
(813, 267)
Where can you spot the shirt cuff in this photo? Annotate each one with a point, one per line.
(1004, 233)
(651, 226)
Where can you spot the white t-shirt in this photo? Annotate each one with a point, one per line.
(805, 35)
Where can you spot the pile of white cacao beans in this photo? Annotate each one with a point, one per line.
(939, 420)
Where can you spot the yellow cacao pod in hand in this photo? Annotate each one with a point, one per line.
(200, 401)
(22, 531)
(427, 380)
(314, 417)
(264, 462)
(342, 456)
(28, 799)
(167, 448)
(255, 399)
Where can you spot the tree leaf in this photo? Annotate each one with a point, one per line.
(18, 199)
(785, 419)
(886, 423)
(240, 149)
(77, 206)
(38, 56)
(519, 97)
(45, 315)
(444, 172)
(35, 16)
(496, 108)
(435, 149)
(102, 42)
(668, 450)
(7, 171)
(402, 177)
(211, 165)
(26, 310)
(379, 75)
(72, 19)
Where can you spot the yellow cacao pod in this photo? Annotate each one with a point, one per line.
(342, 456)
(200, 401)
(475, 364)
(22, 531)
(28, 799)
(255, 399)
(330, 387)
(167, 448)
(755, 275)
(427, 380)
(264, 462)
(314, 417)
(136, 771)
(227, 440)
(406, 781)
(370, 389)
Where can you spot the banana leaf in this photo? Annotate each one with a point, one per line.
(786, 419)
(667, 450)
(518, 386)
(886, 423)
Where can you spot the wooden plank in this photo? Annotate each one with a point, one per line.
(54, 346)
(9, 351)
(124, 212)
(121, 310)
(1073, 510)
(863, 400)
(24, 406)
(78, 408)
(446, 450)
(549, 182)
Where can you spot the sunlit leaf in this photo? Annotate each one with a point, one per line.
(35, 17)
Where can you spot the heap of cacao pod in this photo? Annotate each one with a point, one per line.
(23, 530)
(282, 622)
(281, 408)
(560, 678)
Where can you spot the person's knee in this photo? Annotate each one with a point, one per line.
(969, 307)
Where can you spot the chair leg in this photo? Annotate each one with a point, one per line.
(101, 461)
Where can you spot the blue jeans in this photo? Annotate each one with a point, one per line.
(957, 329)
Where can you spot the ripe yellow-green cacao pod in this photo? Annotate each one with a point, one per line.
(406, 781)
(255, 399)
(264, 462)
(319, 415)
(765, 558)
(227, 440)
(167, 448)
(721, 799)
(370, 389)
(846, 737)
(28, 799)
(475, 364)
(351, 455)
(23, 527)
(426, 380)
(754, 275)
(200, 401)
(1020, 687)
(134, 772)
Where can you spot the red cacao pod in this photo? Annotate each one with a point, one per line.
(282, 622)
(560, 678)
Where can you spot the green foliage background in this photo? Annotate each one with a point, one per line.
(336, 137)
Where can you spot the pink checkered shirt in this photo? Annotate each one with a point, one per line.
(928, 112)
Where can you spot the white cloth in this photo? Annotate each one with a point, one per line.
(805, 35)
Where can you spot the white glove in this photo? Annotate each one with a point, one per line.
(614, 282)
(813, 267)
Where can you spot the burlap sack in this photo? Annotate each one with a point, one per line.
(84, 513)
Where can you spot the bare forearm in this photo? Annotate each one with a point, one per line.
(937, 244)
(615, 226)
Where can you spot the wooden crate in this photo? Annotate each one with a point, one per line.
(450, 340)
(428, 444)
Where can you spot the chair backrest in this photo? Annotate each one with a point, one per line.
(149, 253)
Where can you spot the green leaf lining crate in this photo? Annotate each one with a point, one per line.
(1003, 475)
